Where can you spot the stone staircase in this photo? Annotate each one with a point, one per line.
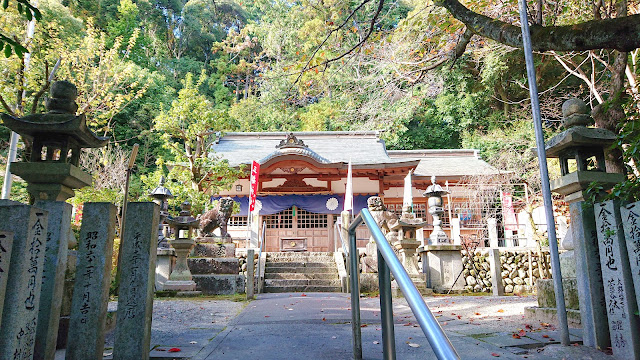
(301, 272)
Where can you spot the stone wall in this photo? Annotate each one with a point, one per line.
(516, 276)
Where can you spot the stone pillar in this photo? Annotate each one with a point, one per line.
(20, 313)
(135, 300)
(496, 272)
(624, 325)
(589, 276)
(455, 231)
(631, 221)
(492, 229)
(93, 277)
(55, 265)
(250, 273)
(165, 260)
(181, 278)
(6, 243)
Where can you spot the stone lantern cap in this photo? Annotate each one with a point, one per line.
(161, 192)
(184, 220)
(576, 116)
(59, 122)
(435, 189)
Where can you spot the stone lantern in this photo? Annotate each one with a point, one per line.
(56, 140)
(160, 196)
(407, 242)
(581, 153)
(581, 149)
(434, 193)
(183, 226)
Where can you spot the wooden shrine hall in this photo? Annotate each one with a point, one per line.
(303, 177)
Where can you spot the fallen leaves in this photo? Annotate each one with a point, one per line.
(495, 354)
(500, 310)
(174, 350)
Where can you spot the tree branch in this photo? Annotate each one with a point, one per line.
(622, 33)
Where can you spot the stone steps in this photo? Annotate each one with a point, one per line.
(289, 269)
(310, 288)
(301, 276)
(299, 272)
(300, 282)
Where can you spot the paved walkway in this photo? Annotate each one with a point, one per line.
(317, 326)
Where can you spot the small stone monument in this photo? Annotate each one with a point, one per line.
(166, 256)
(6, 243)
(434, 192)
(576, 146)
(24, 283)
(183, 226)
(57, 138)
(624, 325)
(407, 243)
(135, 300)
(93, 277)
(631, 220)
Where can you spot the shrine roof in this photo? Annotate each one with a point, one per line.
(363, 148)
(447, 162)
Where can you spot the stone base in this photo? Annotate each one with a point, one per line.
(166, 259)
(214, 240)
(220, 284)
(550, 315)
(213, 250)
(547, 297)
(368, 282)
(178, 285)
(417, 281)
(207, 265)
(442, 264)
(188, 293)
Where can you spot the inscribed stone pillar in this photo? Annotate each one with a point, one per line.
(631, 220)
(20, 313)
(250, 273)
(137, 269)
(55, 264)
(589, 276)
(496, 272)
(93, 277)
(492, 229)
(616, 274)
(6, 243)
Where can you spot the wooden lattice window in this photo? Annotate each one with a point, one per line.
(281, 220)
(307, 220)
(238, 221)
(419, 209)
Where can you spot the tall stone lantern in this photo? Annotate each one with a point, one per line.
(434, 193)
(580, 150)
(55, 139)
(160, 196)
(183, 226)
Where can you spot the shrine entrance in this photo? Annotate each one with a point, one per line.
(296, 229)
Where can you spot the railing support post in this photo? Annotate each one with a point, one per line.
(355, 296)
(386, 310)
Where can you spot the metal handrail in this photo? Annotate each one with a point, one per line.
(260, 247)
(388, 262)
(344, 245)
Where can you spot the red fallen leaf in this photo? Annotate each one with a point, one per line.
(522, 333)
(407, 324)
(459, 316)
(324, 319)
(364, 325)
(495, 354)
(545, 336)
(575, 344)
(174, 350)
(545, 324)
(515, 336)
(527, 326)
(477, 313)
(303, 295)
(267, 316)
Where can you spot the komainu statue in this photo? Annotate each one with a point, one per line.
(386, 220)
(217, 218)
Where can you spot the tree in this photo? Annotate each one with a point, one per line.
(189, 128)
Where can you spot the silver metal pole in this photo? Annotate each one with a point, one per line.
(544, 175)
(13, 149)
(355, 290)
(430, 327)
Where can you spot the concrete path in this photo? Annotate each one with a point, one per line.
(317, 326)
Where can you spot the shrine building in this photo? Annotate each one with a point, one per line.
(303, 177)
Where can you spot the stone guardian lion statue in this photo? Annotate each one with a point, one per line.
(217, 218)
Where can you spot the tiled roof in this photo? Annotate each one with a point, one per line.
(447, 162)
(361, 147)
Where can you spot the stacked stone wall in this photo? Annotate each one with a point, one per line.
(515, 270)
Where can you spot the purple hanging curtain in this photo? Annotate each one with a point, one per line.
(319, 204)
